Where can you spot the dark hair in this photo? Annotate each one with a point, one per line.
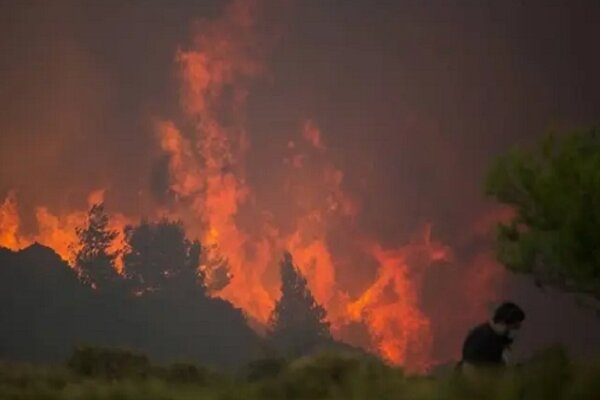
(509, 313)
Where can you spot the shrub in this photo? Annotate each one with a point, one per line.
(187, 372)
(108, 363)
(265, 368)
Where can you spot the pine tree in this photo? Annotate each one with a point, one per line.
(554, 190)
(93, 257)
(298, 323)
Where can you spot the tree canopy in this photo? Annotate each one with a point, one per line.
(158, 253)
(554, 189)
(298, 323)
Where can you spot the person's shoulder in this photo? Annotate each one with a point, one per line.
(483, 327)
(480, 330)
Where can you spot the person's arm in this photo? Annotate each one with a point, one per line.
(506, 355)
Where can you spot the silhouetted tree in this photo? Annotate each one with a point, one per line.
(45, 311)
(92, 255)
(298, 323)
(159, 254)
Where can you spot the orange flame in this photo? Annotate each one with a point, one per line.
(204, 165)
(10, 223)
(55, 231)
(400, 330)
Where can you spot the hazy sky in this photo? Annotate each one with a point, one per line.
(413, 98)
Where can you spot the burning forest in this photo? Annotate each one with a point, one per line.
(248, 201)
(243, 240)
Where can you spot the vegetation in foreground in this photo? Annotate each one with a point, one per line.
(93, 373)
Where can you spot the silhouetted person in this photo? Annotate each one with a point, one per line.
(487, 345)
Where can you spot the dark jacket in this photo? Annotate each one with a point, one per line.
(483, 346)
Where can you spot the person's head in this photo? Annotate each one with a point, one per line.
(508, 318)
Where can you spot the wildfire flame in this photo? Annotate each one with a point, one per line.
(210, 191)
(56, 231)
(9, 223)
(206, 169)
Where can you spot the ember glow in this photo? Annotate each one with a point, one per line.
(207, 152)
